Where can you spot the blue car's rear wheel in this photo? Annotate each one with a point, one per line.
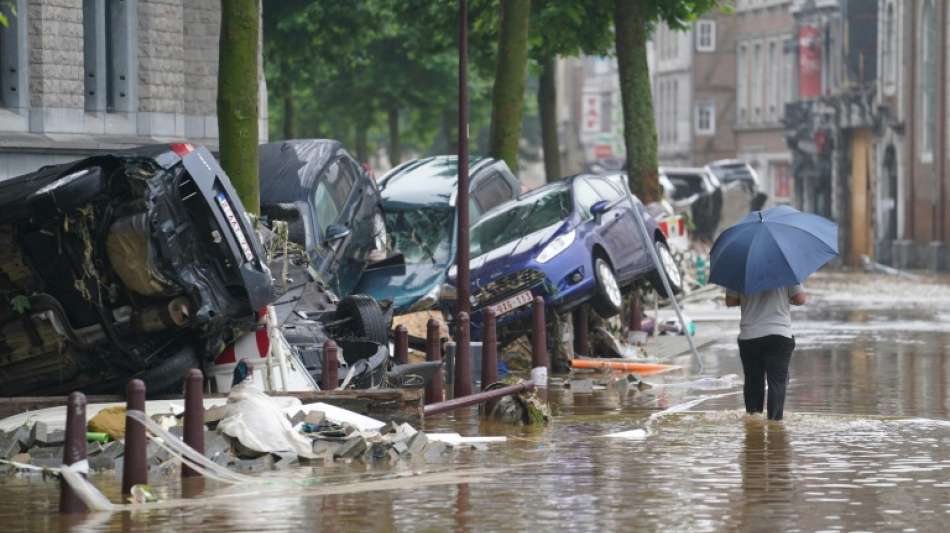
(669, 265)
(607, 298)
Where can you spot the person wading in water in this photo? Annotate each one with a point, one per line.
(766, 344)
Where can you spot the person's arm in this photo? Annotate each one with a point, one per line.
(796, 295)
(732, 299)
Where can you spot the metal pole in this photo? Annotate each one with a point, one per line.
(539, 345)
(74, 451)
(194, 417)
(648, 244)
(463, 358)
(328, 379)
(402, 345)
(581, 342)
(434, 353)
(135, 462)
(462, 248)
(477, 398)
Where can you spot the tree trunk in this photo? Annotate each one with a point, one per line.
(395, 149)
(510, 72)
(362, 142)
(290, 130)
(639, 128)
(238, 99)
(449, 130)
(547, 105)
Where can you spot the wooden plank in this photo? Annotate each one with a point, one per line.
(398, 405)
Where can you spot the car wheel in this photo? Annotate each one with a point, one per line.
(168, 376)
(607, 298)
(669, 265)
(364, 319)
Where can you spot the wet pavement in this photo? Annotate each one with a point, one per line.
(865, 446)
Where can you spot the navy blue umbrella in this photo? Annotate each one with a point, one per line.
(774, 248)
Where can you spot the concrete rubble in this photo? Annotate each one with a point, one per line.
(332, 442)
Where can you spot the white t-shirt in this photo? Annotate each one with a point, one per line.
(766, 313)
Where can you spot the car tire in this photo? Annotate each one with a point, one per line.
(365, 319)
(673, 274)
(169, 375)
(607, 300)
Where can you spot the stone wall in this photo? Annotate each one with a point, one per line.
(161, 56)
(55, 53)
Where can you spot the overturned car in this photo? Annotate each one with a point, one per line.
(139, 263)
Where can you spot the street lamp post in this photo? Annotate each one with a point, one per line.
(462, 276)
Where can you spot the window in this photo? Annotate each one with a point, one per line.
(889, 49)
(927, 81)
(706, 36)
(492, 191)
(742, 87)
(605, 190)
(774, 80)
(674, 109)
(333, 189)
(108, 54)
(755, 87)
(13, 61)
(706, 119)
(585, 196)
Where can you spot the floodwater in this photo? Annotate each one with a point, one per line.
(865, 446)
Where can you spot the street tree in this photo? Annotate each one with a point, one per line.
(238, 98)
(634, 20)
(563, 29)
(510, 73)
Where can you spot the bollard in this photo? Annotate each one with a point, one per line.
(402, 345)
(636, 316)
(434, 353)
(581, 342)
(489, 354)
(463, 359)
(194, 416)
(74, 451)
(135, 461)
(328, 379)
(539, 344)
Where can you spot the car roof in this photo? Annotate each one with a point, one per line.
(723, 162)
(682, 170)
(289, 168)
(428, 181)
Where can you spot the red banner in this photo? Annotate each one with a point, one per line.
(809, 62)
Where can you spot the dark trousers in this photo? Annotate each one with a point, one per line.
(766, 358)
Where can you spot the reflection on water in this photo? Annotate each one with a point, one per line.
(864, 446)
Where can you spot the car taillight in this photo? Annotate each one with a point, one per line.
(681, 226)
(665, 228)
(182, 149)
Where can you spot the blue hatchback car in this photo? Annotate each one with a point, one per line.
(571, 242)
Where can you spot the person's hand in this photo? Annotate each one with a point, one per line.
(798, 299)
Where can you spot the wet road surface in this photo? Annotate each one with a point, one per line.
(865, 446)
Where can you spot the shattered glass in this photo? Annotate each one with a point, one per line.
(422, 234)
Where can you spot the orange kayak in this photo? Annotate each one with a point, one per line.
(623, 366)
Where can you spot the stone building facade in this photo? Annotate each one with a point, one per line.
(85, 76)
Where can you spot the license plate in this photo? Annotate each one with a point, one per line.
(519, 300)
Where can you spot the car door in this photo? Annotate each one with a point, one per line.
(330, 204)
(622, 232)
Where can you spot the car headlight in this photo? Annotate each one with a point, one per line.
(556, 246)
(453, 271)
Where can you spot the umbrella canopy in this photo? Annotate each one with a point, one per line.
(774, 248)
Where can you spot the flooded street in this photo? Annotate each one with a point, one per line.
(865, 446)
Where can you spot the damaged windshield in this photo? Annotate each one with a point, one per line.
(422, 234)
(520, 218)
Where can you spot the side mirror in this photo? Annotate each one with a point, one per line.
(336, 232)
(599, 208)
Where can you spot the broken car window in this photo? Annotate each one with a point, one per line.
(422, 234)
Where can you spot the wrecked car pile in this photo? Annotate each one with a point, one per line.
(135, 264)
